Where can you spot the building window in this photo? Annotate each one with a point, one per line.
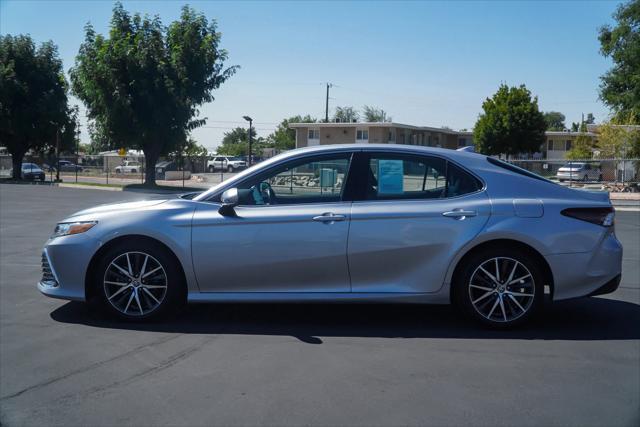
(568, 145)
(462, 142)
(314, 134)
(362, 135)
(392, 135)
(550, 145)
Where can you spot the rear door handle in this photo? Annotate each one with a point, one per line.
(329, 217)
(459, 214)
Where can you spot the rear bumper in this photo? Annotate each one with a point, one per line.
(609, 287)
(585, 273)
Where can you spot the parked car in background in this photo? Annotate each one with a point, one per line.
(339, 223)
(163, 167)
(129, 166)
(579, 171)
(230, 164)
(31, 172)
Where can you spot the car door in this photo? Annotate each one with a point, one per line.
(289, 233)
(414, 214)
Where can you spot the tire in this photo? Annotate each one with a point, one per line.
(157, 293)
(494, 303)
(600, 178)
(585, 178)
(134, 171)
(211, 169)
(230, 168)
(118, 171)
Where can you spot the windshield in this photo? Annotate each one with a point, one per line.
(236, 159)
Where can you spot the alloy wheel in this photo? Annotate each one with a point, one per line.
(135, 283)
(501, 289)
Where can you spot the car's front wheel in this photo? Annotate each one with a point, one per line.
(211, 169)
(139, 280)
(499, 288)
(230, 169)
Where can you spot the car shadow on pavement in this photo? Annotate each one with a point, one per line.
(580, 319)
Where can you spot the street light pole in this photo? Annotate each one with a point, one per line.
(57, 154)
(250, 120)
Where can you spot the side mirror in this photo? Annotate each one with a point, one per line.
(229, 199)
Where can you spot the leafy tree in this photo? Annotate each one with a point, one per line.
(236, 142)
(620, 86)
(284, 138)
(555, 120)
(619, 138)
(144, 83)
(375, 115)
(590, 119)
(346, 115)
(582, 148)
(510, 123)
(33, 99)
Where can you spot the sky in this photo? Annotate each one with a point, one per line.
(424, 63)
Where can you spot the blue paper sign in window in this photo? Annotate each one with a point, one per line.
(390, 176)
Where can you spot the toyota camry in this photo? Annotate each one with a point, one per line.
(346, 223)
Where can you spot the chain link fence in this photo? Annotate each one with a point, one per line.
(205, 171)
(610, 174)
(115, 170)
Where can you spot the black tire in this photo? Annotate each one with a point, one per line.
(600, 178)
(463, 292)
(585, 178)
(211, 169)
(173, 298)
(230, 168)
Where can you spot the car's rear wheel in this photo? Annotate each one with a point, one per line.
(139, 280)
(211, 169)
(499, 287)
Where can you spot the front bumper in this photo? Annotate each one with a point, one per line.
(67, 259)
(587, 273)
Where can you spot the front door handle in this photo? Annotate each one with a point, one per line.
(459, 214)
(329, 217)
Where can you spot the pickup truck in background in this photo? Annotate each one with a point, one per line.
(230, 164)
(129, 166)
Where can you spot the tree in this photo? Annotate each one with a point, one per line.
(619, 138)
(236, 142)
(33, 99)
(510, 123)
(375, 115)
(284, 138)
(590, 119)
(582, 148)
(620, 86)
(346, 115)
(144, 83)
(555, 120)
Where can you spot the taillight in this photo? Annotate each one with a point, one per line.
(600, 216)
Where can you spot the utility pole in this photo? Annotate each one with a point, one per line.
(250, 120)
(326, 108)
(57, 154)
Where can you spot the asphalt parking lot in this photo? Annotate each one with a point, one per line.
(302, 364)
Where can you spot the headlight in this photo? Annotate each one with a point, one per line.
(68, 228)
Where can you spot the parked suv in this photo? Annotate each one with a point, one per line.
(579, 171)
(231, 164)
(128, 166)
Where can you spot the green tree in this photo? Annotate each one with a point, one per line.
(555, 120)
(582, 148)
(144, 83)
(620, 86)
(236, 142)
(619, 138)
(284, 138)
(33, 99)
(511, 123)
(346, 115)
(375, 115)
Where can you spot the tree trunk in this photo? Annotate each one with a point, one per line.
(16, 161)
(150, 160)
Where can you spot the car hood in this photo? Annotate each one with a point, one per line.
(118, 207)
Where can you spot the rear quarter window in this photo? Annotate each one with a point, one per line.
(516, 169)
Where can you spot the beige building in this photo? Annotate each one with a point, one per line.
(555, 146)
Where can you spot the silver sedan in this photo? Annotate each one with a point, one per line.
(346, 223)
